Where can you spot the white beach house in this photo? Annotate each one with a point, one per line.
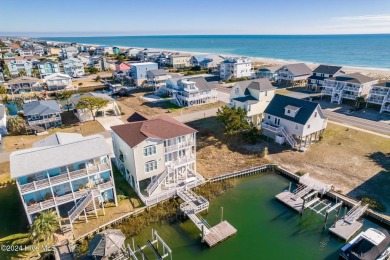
(253, 96)
(349, 86)
(380, 95)
(156, 156)
(294, 121)
(235, 68)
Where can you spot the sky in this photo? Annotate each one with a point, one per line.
(195, 17)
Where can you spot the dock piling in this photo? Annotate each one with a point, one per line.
(221, 214)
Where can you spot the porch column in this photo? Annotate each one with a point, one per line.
(94, 207)
(85, 215)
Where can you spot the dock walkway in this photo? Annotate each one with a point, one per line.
(194, 204)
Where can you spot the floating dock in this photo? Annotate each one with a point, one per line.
(287, 198)
(192, 205)
(345, 230)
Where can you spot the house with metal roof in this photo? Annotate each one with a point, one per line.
(294, 121)
(349, 86)
(157, 78)
(379, 95)
(189, 91)
(316, 80)
(58, 81)
(67, 173)
(293, 74)
(156, 156)
(24, 84)
(253, 96)
(43, 113)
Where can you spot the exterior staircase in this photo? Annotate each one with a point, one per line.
(355, 213)
(289, 138)
(80, 206)
(156, 181)
(337, 94)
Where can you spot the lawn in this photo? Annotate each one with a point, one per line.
(135, 103)
(125, 206)
(16, 142)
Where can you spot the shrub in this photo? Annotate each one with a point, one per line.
(372, 202)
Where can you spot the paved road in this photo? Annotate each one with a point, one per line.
(359, 122)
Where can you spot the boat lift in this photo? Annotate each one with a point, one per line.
(153, 245)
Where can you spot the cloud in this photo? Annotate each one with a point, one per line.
(368, 18)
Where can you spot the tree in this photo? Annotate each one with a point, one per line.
(44, 226)
(3, 92)
(35, 72)
(92, 104)
(251, 136)
(360, 101)
(16, 124)
(65, 96)
(234, 120)
(98, 78)
(22, 73)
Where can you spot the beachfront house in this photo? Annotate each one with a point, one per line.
(253, 96)
(138, 72)
(47, 67)
(189, 91)
(293, 74)
(43, 113)
(67, 173)
(148, 55)
(59, 81)
(157, 78)
(322, 72)
(156, 156)
(380, 95)
(24, 84)
(235, 68)
(270, 73)
(111, 109)
(179, 60)
(3, 121)
(294, 121)
(73, 67)
(15, 67)
(54, 51)
(349, 86)
(132, 52)
(195, 60)
(38, 50)
(206, 61)
(107, 50)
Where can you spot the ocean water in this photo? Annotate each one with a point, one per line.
(352, 50)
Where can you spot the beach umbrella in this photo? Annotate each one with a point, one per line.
(106, 243)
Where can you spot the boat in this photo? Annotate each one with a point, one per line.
(368, 245)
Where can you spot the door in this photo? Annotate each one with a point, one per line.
(277, 121)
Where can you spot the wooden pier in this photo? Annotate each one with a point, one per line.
(219, 233)
(345, 230)
(192, 205)
(287, 198)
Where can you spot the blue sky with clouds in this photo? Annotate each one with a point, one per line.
(172, 17)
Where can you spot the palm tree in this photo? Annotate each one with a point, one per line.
(3, 92)
(65, 96)
(44, 226)
(22, 73)
(359, 101)
(16, 124)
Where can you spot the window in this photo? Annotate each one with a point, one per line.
(149, 150)
(269, 117)
(237, 91)
(151, 166)
(288, 111)
(308, 126)
(315, 114)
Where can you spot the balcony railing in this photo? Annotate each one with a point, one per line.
(379, 92)
(44, 121)
(354, 89)
(375, 100)
(348, 96)
(178, 146)
(51, 202)
(64, 177)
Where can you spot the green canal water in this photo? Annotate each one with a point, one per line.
(266, 228)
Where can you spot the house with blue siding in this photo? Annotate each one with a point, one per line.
(43, 113)
(67, 173)
(47, 67)
(139, 70)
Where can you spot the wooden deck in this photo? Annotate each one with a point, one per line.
(344, 229)
(286, 197)
(219, 233)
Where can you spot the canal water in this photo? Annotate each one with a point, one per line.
(266, 228)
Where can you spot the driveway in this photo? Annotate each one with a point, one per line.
(109, 121)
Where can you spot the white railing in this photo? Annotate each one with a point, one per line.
(80, 206)
(354, 89)
(375, 100)
(44, 121)
(289, 138)
(348, 96)
(385, 108)
(178, 146)
(379, 92)
(156, 181)
(281, 130)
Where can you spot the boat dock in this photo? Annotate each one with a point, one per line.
(349, 225)
(194, 204)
